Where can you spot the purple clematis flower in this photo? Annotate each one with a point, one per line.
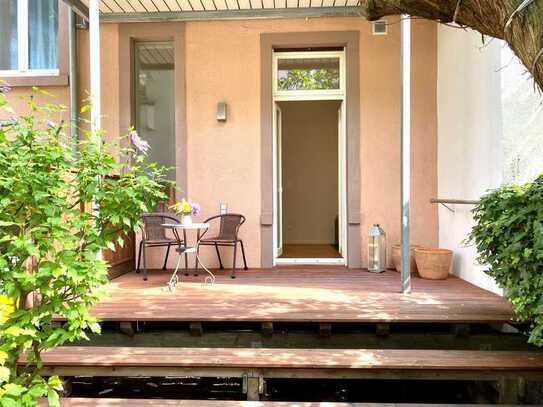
(195, 208)
(140, 144)
(4, 88)
(50, 124)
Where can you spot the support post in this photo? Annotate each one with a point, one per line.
(74, 106)
(196, 329)
(127, 328)
(406, 151)
(267, 329)
(94, 41)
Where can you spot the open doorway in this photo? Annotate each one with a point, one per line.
(310, 163)
(310, 179)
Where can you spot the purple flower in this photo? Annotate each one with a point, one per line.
(4, 88)
(195, 208)
(142, 145)
(50, 124)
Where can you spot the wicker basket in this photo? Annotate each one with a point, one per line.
(433, 263)
(397, 257)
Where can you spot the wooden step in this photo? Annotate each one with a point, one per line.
(89, 402)
(292, 363)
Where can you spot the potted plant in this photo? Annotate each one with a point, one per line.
(186, 209)
(397, 258)
(433, 263)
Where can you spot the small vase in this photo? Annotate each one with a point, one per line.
(186, 220)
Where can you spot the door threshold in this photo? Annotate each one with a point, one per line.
(322, 261)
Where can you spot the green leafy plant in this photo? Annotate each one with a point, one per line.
(59, 208)
(309, 79)
(508, 235)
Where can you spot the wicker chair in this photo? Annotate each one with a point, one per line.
(154, 235)
(227, 237)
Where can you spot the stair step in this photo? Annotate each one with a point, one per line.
(291, 363)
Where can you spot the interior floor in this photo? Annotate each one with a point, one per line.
(310, 251)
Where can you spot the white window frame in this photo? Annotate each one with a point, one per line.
(317, 94)
(23, 57)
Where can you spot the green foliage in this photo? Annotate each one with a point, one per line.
(508, 235)
(49, 247)
(309, 79)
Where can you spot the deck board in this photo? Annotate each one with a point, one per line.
(300, 295)
(380, 359)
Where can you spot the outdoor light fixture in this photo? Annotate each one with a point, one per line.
(377, 249)
(221, 111)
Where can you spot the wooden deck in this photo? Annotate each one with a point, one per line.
(300, 295)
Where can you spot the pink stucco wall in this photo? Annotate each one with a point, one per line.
(222, 61)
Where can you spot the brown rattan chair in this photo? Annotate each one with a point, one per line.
(154, 235)
(227, 237)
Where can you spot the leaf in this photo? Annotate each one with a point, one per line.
(52, 398)
(4, 374)
(8, 402)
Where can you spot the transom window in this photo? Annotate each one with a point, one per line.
(308, 74)
(29, 32)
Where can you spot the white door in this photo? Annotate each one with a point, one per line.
(278, 172)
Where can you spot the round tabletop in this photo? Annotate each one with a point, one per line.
(187, 226)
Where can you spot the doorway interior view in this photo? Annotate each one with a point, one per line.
(309, 145)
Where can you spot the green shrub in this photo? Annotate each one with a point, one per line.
(508, 235)
(49, 246)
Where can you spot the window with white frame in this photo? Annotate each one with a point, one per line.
(29, 33)
(307, 74)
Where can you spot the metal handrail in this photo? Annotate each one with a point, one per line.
(454, 201)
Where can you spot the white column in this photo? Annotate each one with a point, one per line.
(94, 45)
(406, 150)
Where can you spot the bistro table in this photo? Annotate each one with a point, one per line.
(183, 248)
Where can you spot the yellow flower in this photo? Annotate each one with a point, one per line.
(182, 207)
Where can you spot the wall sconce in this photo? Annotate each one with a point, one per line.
(221, 111)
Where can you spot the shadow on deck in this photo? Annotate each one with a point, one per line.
(319, 294)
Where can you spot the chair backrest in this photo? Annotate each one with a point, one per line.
(229, 225)
(152, 225)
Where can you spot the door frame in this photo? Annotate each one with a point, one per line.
(349, 40)
(313, 95)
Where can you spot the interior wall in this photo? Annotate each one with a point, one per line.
(310, 171)
(469, 125)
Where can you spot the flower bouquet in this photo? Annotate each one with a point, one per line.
(186, 209)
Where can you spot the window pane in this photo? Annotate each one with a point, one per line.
(8, 34)
(155, 101)
(43, 34)
(308, 73)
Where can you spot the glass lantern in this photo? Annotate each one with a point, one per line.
(377, 249)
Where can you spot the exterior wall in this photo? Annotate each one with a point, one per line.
(110, 74)
(222, 63)
(469, 153)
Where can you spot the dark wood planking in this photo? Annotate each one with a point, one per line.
(293, 294)
(88, 402)
(380, 359)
